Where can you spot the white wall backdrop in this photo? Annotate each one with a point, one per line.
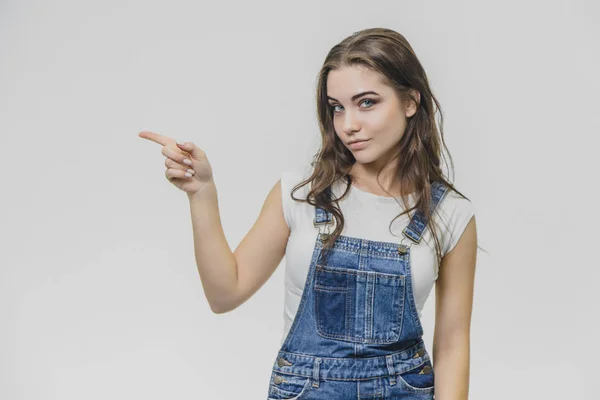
(99, 293)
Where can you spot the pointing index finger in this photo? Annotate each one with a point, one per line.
(157, 138)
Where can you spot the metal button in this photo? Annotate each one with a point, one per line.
(426, 370)
(282, 362)
(402, 249)
(277, 379)
(419, 353)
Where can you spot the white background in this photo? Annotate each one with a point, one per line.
(99, 293)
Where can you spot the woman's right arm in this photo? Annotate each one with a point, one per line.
(230, 278)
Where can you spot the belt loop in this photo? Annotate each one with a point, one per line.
(390, 367)
(316, 372)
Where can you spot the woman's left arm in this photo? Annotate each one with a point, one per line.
(453, 306)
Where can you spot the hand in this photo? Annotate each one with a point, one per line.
(200, 169)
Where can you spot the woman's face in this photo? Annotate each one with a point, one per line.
(379, 117)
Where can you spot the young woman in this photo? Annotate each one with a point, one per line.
(377, 226)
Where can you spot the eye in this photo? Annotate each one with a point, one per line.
(333, 106)
(368, 100)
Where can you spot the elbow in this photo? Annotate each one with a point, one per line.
(227, 301)
(222, 307)
(219, 309)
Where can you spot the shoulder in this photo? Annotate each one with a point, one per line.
(291, 178)
(291, 208)
(453, 204)
(294, 176)
(454, 213)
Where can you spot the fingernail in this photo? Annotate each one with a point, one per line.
(186, 161)
(181, 143)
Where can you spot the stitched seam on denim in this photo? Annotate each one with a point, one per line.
(369, 301)
(283, 392)
(353, 339)
(393, 254)
(361, 265)
(329, 289)
(347, 314)
(310, 357)
(329, 378)
(339, 270)
(412, 301)
(400, 294)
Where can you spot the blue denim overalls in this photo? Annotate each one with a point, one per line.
(356, 333)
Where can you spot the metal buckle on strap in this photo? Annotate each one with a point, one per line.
(327, 226)
(315, 223)
(406, 235)
(327, 230)
(403, 248)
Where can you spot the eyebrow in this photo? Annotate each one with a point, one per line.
(356, 96)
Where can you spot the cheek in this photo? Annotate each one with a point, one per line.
(389, 129)
(379, 123)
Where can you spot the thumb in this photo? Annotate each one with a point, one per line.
(192, 149)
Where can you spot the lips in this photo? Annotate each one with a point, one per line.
(356, 141)
(357, 145)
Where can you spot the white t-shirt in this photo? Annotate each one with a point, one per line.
(367, 216)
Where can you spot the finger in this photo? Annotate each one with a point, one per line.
(162, 139)
(175, 165)
(155, 137)
(196, 152)
(172, 174)
(177, 156)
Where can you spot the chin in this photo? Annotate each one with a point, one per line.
(363, 158)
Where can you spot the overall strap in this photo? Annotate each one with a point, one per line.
(418, 223)
(322, 216)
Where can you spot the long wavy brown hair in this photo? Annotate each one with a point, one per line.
(419, 152)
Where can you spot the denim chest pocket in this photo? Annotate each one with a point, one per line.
(357, 305)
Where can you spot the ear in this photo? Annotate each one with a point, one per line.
(411, 107)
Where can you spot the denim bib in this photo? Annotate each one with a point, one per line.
(357, 333)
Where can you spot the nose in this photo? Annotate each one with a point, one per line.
(351, 124)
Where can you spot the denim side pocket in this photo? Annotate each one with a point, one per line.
(419, 379)
(288, 387)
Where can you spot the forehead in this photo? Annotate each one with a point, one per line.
(345, 82)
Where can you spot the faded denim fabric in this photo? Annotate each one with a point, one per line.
(357, 334)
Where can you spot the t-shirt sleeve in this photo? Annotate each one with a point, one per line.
(458, 214)
(286, 200)
(294, 212)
